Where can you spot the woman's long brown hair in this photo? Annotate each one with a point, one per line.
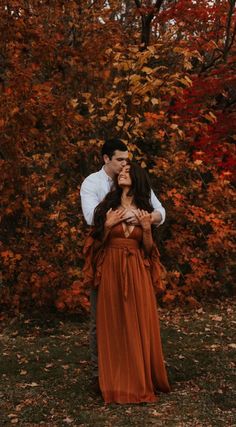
(140, 190)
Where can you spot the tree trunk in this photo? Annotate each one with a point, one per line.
(146, 31)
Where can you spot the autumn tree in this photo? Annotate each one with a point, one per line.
(161, 76)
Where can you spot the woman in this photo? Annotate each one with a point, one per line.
(123, 261)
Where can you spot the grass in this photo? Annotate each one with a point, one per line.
(46, 380)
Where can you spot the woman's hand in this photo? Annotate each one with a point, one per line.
(144, 218)
(114, 217)
(130, 217)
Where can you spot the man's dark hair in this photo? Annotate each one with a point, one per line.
(111, 145)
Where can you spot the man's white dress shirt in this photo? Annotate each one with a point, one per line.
(96, 186)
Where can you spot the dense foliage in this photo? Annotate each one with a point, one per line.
(161, 76)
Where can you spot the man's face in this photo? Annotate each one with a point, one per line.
(117, 162)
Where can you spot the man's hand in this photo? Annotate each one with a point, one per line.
(114, 217)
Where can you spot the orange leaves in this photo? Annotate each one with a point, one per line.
(176, 197)
(42, 92)
(193, 303)
(8, 91)
(67, 84)
(9, 257)
(73, 298)
(106, 74)
(7, 254)
(79, 118)
(60, 305)
(154, 116)
(169, 297)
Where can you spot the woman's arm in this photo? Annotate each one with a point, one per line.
(145, 221)
(147, 240)
(112, 218)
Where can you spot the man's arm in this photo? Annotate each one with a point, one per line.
(159, 213)
(89, 199)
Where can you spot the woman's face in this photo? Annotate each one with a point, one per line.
(124, 179)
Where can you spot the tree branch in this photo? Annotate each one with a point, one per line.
(155, 9)
(147, 20)
(232, 38)
(138, 3)
(158, 4)
(228, 27)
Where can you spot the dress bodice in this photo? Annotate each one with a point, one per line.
(118, 231)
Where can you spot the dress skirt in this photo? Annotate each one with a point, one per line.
(130, 359)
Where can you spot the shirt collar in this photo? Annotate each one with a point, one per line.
(108, 178)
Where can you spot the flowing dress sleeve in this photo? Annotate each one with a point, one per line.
(156, 268)
(94, 252)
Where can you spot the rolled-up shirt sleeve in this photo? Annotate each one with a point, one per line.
(157, 206)
(89, 200)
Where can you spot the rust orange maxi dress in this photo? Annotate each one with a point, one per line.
(130, 359)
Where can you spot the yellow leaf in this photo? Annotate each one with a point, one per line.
(126, 66)
(213, 116)
(185, 82)
(210, 117)
(104, 119)
(181, 133)
(158, 82)
(74, 102)
(87, 95)
(134, 78)
(111, 114)
(188, 80)
(147, 70)
(154, 101)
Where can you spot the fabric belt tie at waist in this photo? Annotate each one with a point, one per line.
(129, 247)
(118, 242)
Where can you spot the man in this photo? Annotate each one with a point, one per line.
(95, 187)
(93, 190)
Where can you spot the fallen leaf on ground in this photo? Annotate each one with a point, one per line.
(232, 345)
(216, 318)
(68, 420)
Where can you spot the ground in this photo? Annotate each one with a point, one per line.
(46, 379)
